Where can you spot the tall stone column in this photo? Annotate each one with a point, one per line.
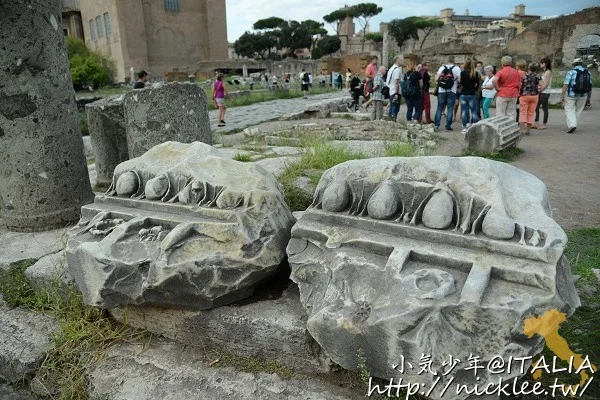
(43, 173)
(385, 48)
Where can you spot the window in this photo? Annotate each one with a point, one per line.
(92, 29)
(107, 27)
(172, 5)
(99, 27)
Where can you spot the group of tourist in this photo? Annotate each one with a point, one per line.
(519, 92)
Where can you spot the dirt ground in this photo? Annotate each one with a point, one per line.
(569, 164)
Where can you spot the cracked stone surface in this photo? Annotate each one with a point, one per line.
(180, 227)
(428, 255)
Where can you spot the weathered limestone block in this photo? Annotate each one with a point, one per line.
(173, 111)
(25, 337)
(106, 122)
(438, 256)
(180, 227)
(272, 328)
(493, 135)
(43, 172)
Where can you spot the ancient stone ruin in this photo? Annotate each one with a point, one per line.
(493, 135)
(109, 139)
(435, 256)
(174, 111)
(43, 175)
(180, 227)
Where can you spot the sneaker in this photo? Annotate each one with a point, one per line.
(449, 128)
(220, 124)
(572, 129)
(223, 122)
(436, 128)
(464, 131)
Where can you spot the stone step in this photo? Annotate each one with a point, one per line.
(270, 325)
(25, 337)
(168, 371)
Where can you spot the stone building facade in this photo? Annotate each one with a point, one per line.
(156, 35)
(557, 38)
(71, 17)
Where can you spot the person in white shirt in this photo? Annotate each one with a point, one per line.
(488, 92)
(393, 82)
(446, 96)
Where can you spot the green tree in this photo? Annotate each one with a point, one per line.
(268, 23)
(294, 36)
(363, 12)
(329, 44)
(427, 25)
(336, 18)
(315, 29)
(376, 37)
(254, 45)
(402, 30)
(86, 66)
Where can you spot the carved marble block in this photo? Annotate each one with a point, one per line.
(493, 135)
(180, 227)
(433, 256)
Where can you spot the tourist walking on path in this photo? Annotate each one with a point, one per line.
(545, 88)
(577, 85)
(393, 82)
(355, 89)
(370, 73)
(348, 78)
(447, 81)
(304, 82)
(488, 92)
(506, 82)
(426, 98)
(377, 96)
(529, 94)
(470, 81)
(412, 86)
(219, 93)
(521, 66)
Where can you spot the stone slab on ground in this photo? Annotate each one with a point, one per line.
(25, 337)
(168, 371)
(49, 270)
(268, 328)
(8, 393)
(276, 166)
(18, 246)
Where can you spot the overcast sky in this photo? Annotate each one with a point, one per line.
(241, 14)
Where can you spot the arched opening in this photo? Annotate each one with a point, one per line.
(589, 45)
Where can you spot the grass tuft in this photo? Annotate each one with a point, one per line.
(399, 149)
(84, 333)
(254, 365)
(242, 157)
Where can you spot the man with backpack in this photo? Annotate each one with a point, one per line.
(304, 81)
(447, 80)
(577, 84)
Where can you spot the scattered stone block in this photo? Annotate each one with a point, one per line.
(180, 227)
(271, 327)
(282, 141)
(25, 337)
(106, 122)
(50, 270)
(400, 257)
(166, 112)
(17, 246)
(167, 371)
(493, 135)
